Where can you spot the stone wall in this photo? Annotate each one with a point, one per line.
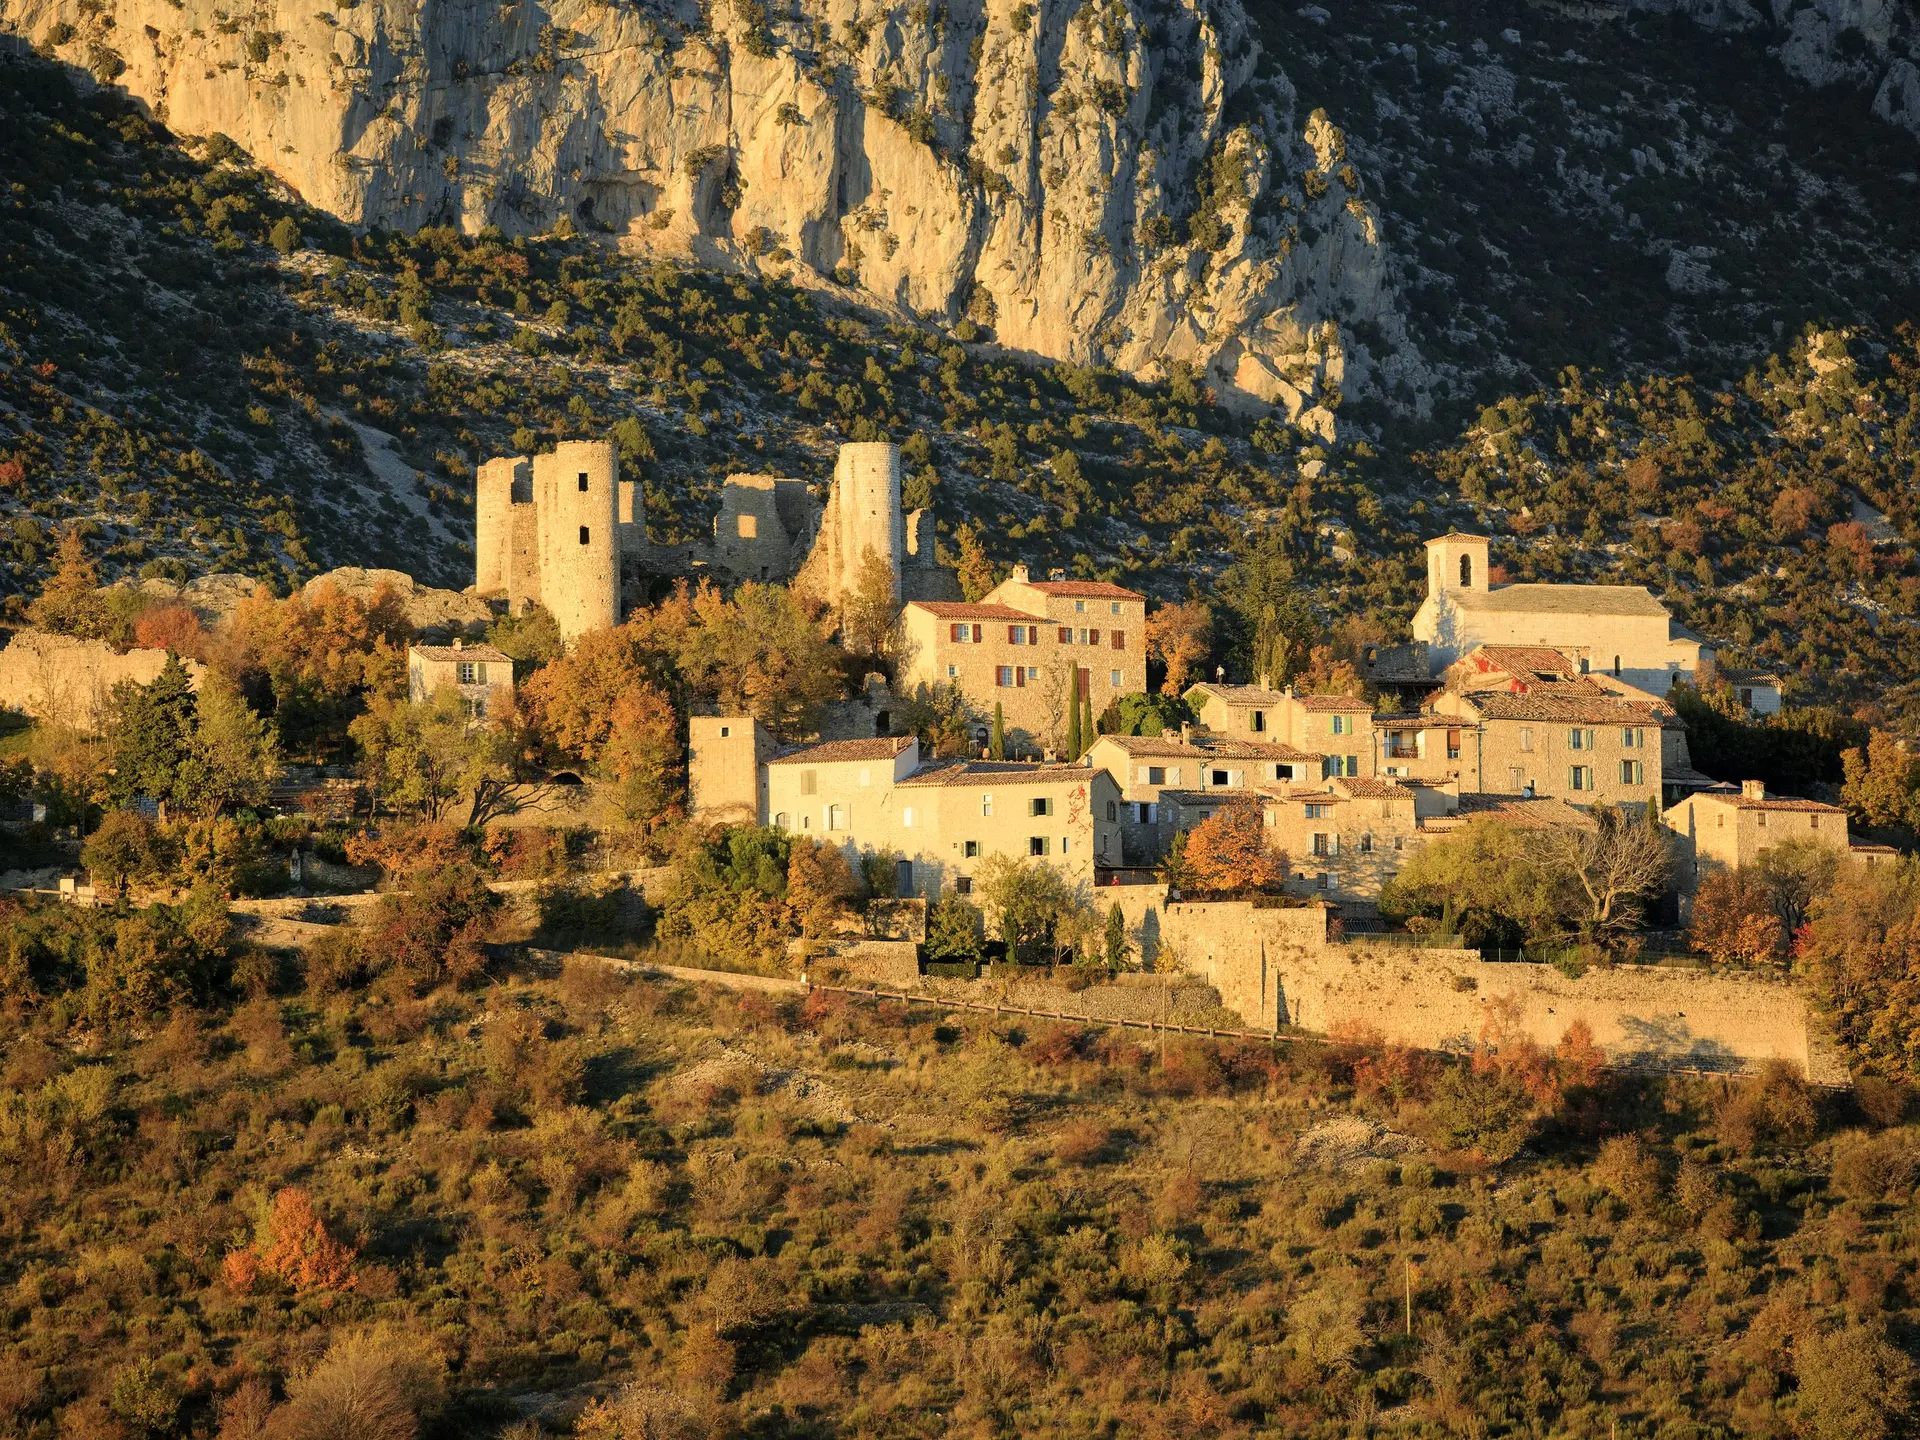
(1278, 967)
(65, 681)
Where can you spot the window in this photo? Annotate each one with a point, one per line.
(1526, 738)
(906, 817)
(1146, 812)
(1114, 608)
(986, 804)
(1041, 805)
(1453, 744)
(1583, 664)
(1630, 772)
(1037, 845)
(780, 820)
(747, 527)
(809, 782)
(1080, 637)
(1113, 812)
(1399, 842)
(1366, 843)
(1763, 819)
(1466, 572)
(725, 731)
(1222, 778)
(1016, 634)
(1580, 777)
(1746, 699)
(586, 536)
(1093, 637)
(1340, 725)
(1066, 635)
(1119, 639)
(1003, 676)
(836, 817)
(1156, 774)
(466, 672)
(1323, 881)
(1257, 720)
(1616, 667)
(1113, 678)
(963, 884)
(1322, 843)
(1032, 673)
(583, 482)
(1516, 779)
(1079, 607)
(1580, 739)
(1319, 812)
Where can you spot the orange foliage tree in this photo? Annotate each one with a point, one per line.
(1180, 635)
(296, 1250)
(1228, 852)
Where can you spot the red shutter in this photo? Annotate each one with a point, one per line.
(978, 632)
(956, 633)
(1093, 637)
(1119, 639)
(1066, 635)
(1013, 632)
(1020, 677)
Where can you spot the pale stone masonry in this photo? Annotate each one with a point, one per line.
(1032, 648)
(945, 817)
(1145, 767)
(1620, 629)
(1728, 828)
(1569, 740)
(1337, 728)
(482, 675)
(725, 775)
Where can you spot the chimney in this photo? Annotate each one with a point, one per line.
(1753, 789)
(1020, 575)
(456, 642)
(1265, 680)
(1186, 732)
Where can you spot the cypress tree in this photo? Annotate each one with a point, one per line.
(1088, 732)
(1073, 729)
(999, 750)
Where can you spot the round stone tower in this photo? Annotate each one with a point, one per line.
(576, 490)
(493, 523)
(866, 483)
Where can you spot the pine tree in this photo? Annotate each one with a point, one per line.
(999, 750)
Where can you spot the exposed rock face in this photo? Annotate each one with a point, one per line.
(1102, 181)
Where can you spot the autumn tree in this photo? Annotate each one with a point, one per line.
(70, 603)
(973, 566)
(1034, 909)
(760, 653)
(424, 756)
(1228, 853)
(869, 612)
(1882, 786)
(1180, 636)
(1610, 873)
(1795, 873)
(1733, 919)
(1858, 951)
(320, 659)
(820, 885)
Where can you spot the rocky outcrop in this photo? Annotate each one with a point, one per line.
(1099, 181)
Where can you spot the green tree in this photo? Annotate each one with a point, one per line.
(1034, 909)
(124, 849)
(149, 733)
(1271, 625)
(1074, 747)
(999, 744)
(233, 756)
(1854, 1384)
(1117, 947)
(424, 756)
(1148, 714)
(954, 930)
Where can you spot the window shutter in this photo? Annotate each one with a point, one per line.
(1066, 635)
(954, 633)
(1093, 637)
(1119, 639)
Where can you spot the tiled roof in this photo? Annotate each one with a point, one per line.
(1364, 788)
(959, 610)
(999, 772)
(1530, 812)
(1748, 677)
(1238, 694)
(1789, 803)
(464, 652)
(1207, 797)
(1331, 704)
(836, 752)
(1083, 589)
(1172, 747)
(1456, 535)
(1597, 708)
(1563, 600)
(1521, 659)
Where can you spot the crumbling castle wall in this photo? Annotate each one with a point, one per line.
(63, 681)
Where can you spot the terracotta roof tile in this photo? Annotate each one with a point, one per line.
(998, 772)
(1563, 600)
(837, 752)
(464, 652)
(1172, 747)
(1083, 589)
(960, 610)
(1596, 708)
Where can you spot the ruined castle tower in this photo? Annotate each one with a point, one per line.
(862, 513)
(547, 531)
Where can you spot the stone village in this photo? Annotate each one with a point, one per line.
(1531, 703)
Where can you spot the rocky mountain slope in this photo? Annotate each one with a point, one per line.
(1112, 182)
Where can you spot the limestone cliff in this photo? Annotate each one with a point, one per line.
(1102, 181)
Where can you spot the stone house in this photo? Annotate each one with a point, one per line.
(945, 817)
(1346, 837)
(1031, 647)
(1337, 728)
(1424, 747)
(1571, 740)
(726, 776)
(1146, 766)
(1728, 828)
(1758, 691)
(482, 675)
(1622, 630)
